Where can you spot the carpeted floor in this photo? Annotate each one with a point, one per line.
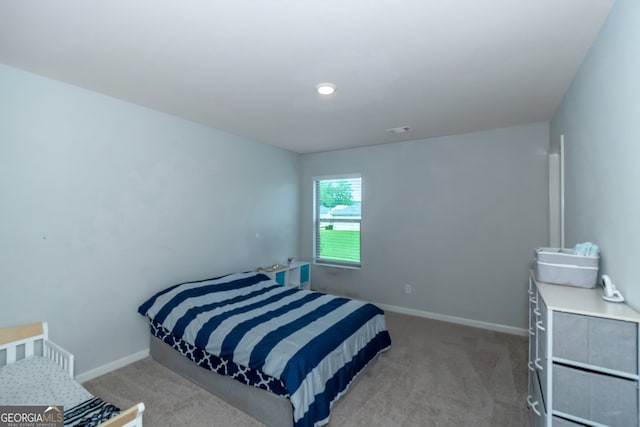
(435, 374)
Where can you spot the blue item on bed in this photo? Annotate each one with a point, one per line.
(314, 343)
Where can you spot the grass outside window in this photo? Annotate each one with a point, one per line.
(340, 245)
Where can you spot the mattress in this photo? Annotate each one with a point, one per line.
(218, 365)
(39, 381)
(309, 344)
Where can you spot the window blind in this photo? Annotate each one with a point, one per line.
(337, 219)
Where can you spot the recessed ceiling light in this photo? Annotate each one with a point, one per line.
(325, 88)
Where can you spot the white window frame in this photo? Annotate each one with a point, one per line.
(316, 222)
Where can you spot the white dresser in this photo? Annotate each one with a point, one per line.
(584, 362)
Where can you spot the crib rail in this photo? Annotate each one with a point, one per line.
(59, 355)
(20, 342)
(132, 417)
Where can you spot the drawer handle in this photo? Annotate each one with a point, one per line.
(530, 400)
(530, 291)
(537, 312)
(533, 405)
(533, 300)
(532, 331)
(539, 366)
(539, 325)
(531, 368)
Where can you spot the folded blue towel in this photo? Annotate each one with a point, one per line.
(586, 249)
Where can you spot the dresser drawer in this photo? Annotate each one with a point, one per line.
(597, 341)
(532, 334)
(542, 331)
(535, 403)
(602, 398)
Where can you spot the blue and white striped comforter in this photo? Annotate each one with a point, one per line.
(314, 343)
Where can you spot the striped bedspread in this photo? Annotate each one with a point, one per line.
(314, 343)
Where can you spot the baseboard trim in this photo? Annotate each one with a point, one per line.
(453, 319)
(124, 361)
(111, 366)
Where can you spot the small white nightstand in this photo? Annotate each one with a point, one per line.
(298, 275)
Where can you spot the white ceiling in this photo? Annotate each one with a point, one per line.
(250, 67)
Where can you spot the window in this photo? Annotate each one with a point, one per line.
(337, 216)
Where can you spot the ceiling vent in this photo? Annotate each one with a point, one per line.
(401, 129)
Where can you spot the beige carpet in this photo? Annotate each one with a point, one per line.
(435, 374)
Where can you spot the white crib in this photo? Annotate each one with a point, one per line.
(22, 342)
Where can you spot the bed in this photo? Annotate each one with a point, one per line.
(281, 354)
(36, 372)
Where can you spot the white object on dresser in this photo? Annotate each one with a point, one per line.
(297, 274)
(611, 294)
(584, 360)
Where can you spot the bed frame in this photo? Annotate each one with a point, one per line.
(20, 342)
(269, 408)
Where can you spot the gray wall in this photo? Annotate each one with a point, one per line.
(456, 217)
(600, 118)
(105, 202)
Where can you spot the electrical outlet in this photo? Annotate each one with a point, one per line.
(407, 288)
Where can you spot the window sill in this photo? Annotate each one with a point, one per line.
(337, 265)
